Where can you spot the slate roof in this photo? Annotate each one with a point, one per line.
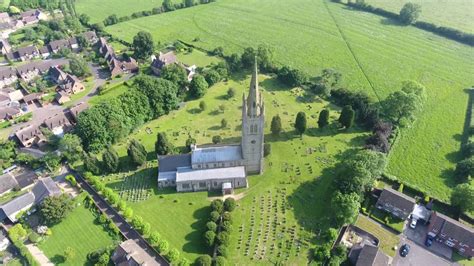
(28, 50)
(7, 72)
(130, 253)
(372, 256)
(453, 228)
(189, 174)
(164, 59)
(7, 112)
(7, 183)
(90, 35)
(56, 73)
(59, 44)
(172, 162)
(26, 178)
(28, 132)
(215, 154)
(44, 49)
(78, 108)
(57, 120)
(396, 199)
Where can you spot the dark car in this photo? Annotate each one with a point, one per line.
(404, 250)
(428, 241)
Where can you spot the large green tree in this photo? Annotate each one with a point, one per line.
(276, 125)
(410, 13)
(162, 145)
(400, 107)
(143, 45)
(79, 66)
(111, 160)
(136, 151)
(345, 207)
(347, 116)
(176, 74)
(162, 94)
(54, 209)
(136, 106)
(198, 86)
(462, 197)
(323, 119)
(70, 147)
(300, 123)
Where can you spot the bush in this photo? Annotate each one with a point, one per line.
(72, 180)
(223, 238)
(162, 246)
(267, 149)
(102, 219)
(227, 226)
(220, 261)
(209, 238)
(154, 238)
(211, 226)
(227, 217)
(223, 251)
(322, 253)
(34, 238)
(229, 204)
(216, 139)
(204, 260)
(217, 205)
(214, 216)
(173, 255)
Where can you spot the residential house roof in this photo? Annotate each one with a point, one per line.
(32, 97)
(5, 26)
(44, 49)
(12, 56)
(7, 72)
(30, 20)
(72, 40)
(372, 256)
(452, 228)
(58, 120)
(28, 132)
(7, 112)
(90, 36)
(7, 183)
(29, 13)
(57, 74)
(5, 45)
(28, 50)
(58, 44)
(397, 199)
(78, 108)
(130, 253)
(62, 97)
(4, 15)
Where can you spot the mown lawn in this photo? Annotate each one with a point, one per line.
(197, 58)
(296, 178)
(373, 54)
(387, 239)
(458, 14)
(78, 231)
(98, 10)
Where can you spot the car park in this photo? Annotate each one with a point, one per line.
(413, 223)
(429, 241)
(404, 250)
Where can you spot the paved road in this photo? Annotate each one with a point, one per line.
(418, 255)
(127, 230)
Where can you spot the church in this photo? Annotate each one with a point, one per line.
(221, 167)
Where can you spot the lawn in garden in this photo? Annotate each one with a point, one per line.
(196, 57)
(458, 14)
(387, 239)
(98, 10)
(79, 231)
(373, 54)
(282, 210)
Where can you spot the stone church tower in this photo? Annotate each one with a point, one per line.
(253, 122)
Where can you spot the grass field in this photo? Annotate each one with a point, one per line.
(98, 10)
(295, 186)
(79, 231)
(197, 58)
(373, 54)
(458, 14)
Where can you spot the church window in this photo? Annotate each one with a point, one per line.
(215, 165)
(215, 184)
(253, 141)
(202, 184)
(185, 186)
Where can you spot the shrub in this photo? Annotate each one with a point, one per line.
(183, 262)
(34, 237)
(173, 255)
(220, 261)
(216, 139)
(227, 226)
(102, 219)
(227, 217)
(400, 188)
(204, 260)
(322, 253)
(209, 238)
(72, 180)
(162, 246)
(154, 238)
(267, 149)
(217, 205)
(214, 216)
(223, 251)
(223, 238)
(211, 226)
(229, 204)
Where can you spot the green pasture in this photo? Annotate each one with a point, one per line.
(79, 231)
(373, 53)
(98, 10)
(458, 14)
(296, 177)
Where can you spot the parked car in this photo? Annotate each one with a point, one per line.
(404, 250)
(413, 223)
(429, 241)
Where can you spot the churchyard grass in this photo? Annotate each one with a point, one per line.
(373, 54)
(458, 14)
(79, 231)
(289, 202)
(99, 10)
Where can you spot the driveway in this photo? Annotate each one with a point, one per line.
(418, 235)
(418, 256)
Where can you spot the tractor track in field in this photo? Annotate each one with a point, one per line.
(351, 51)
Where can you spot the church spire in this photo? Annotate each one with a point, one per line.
(253, 100)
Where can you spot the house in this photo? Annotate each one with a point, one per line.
(73, 43)
(58, 123)
(17, 24)
(62, 97)
(28, 72)
(91, 37)
(32, 16)
(30, 20)
(28, 53)
(30, 135)
(4, 242)
(452, 233)
(116, 66)
(45, 187)
(44, 51)
(130, 253)
(6, 28)
(8, 76)
(33, 98)
(396, 203)
(57, 75)
(163, 59)
(5, 46)
(58, 45)
(4, 17)
(12, 94)
(369, 255)
(77, 109)
(25, 178)
(71, 85)
(7, 183)
(8, 113)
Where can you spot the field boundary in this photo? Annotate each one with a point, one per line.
(351, 51)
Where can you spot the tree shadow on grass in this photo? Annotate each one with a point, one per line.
(273, 84)
(391, 22)
(58, 259)
(195, 240)
(215, 128)
(194, 111)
